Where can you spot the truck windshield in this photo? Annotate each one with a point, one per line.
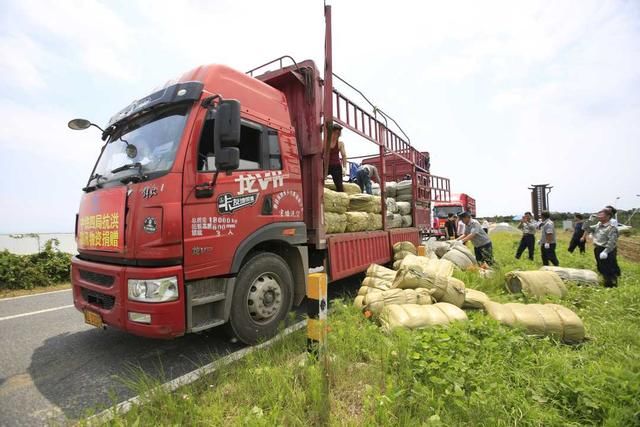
(444, 211)
(155, 136)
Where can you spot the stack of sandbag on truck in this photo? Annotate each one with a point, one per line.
(364, 213)
(349, 187)
(402, 195)
(394, 219)
(576, 275)
(335, 208)
(539, 319)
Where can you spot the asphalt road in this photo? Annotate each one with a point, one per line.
(54, 367)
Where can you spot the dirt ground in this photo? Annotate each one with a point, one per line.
(629, 247)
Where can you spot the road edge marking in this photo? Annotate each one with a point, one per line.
(46, 310)
(39, 294)
(190, 377)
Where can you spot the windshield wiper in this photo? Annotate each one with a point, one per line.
(132, 178)
(97, 177)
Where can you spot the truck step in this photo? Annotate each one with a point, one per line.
(207, 299)
(206, 325)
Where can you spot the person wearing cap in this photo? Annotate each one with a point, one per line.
(548, 240)
(481, 242)
(605, 241)
(364, 175)
(528, 241)
(337, 158)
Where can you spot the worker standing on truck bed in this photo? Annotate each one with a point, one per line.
(605, 240)
(548, 240)
(528, 226)
(481, 242)
(337, 158)
(364, 175)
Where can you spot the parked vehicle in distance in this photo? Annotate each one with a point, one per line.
(459, 203)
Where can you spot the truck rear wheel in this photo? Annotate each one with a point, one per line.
(262, 298)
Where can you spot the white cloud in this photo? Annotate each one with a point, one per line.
(19, 59)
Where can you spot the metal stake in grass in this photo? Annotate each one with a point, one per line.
(317, 334)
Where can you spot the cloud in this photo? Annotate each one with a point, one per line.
(19, 59)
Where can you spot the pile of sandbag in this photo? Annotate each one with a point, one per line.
(574, 274)
(414, 316)
(365, 203)
(357, 221)
(535, 283)
(404, 191)
(374, 301)
(375, 222)
(390, 188)
(401, 250)
(474, 299)
(539, 319)
(349, 187)
(444, 288)
(394, 218)
(377, 278)
(460, 255)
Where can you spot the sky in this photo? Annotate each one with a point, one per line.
(502, 94)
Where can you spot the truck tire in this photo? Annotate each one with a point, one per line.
(262, 298)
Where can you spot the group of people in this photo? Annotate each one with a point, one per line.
(604, 234)
(338, 165)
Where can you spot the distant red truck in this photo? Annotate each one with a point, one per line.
(459, 203)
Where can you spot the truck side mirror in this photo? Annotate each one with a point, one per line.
(226, 135)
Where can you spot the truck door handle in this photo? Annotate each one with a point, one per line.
(267, 205)
(204, 191)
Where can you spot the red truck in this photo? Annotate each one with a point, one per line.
(205, 206)
(459, 203)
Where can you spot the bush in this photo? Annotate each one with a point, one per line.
(46, 268)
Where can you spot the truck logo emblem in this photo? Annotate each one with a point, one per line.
(227, 203)
(150, 225)
(149, 191)
(253, 183)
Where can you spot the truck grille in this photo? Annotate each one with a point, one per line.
(97, 278)
(98, 298)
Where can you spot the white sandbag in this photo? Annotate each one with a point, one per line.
(576, 275)
(474, 299)
(358, 302)
(440, 267)
(404, 208)
(375, 189)
(462, 248)
(404, 198)
(535, 283)
(413, 316)
(404, 186)
(391, 205)
(335, 201)
(390, 188)
(395, 221)
(459, 259)
(407, 221)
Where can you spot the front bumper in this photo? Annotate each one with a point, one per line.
(102, 288)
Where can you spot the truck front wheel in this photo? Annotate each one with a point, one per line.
(262, 298)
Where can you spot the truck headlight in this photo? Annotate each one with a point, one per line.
(154, 290)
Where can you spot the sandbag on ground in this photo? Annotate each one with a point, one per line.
(335, 201)
(474, 299)
(376, 301)
(535, 283)
(381, 272)
(539, 319)
(445, 288)
(357, 221)
(404, 208)
(405, 246)
(365, 289)
(377, 283)
(358, 302)
(440, 248)
(459, 259)
(334, 222)
(413, 316)
(349, 187)
(574, 274)
(460, 247)
(375, 222)
(440, 267)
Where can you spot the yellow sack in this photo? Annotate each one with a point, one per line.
(376, 301)
(535, 283)
(349, 187)
(364, 290)
(334, 222)
(358, 302)
(381, 272)
(376, 283)
(335, 202)
(474, 299)
(428, 265)
(405, 246)
(375, 222)
(357, 221)
(413, 316)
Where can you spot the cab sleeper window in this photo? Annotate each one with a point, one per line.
(259, 148)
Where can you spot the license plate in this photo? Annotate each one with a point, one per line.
(93, 318)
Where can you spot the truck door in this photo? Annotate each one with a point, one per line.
(241, 202)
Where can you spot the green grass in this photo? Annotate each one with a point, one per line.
(473, 373)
